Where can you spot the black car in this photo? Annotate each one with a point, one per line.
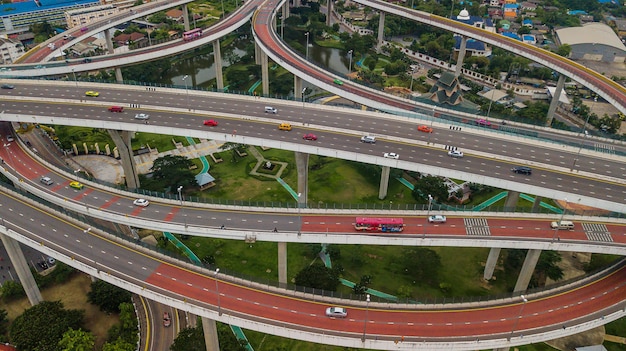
(86, 60)
(522, 170)
(7, 86)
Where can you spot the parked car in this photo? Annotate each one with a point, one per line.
(522, 170)
(210, 123)
(455, 153)
(309, 136)
(437, 219)
(425, 129)
(141, 202)
(391, 155)
(337, 312)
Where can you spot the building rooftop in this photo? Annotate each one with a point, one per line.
(590, 33)
(32, 6)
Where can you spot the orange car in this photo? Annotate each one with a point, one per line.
(425, 129)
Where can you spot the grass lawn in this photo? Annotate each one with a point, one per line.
(73, 294)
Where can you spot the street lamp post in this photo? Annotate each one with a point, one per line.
(186, 90)
(180, 198)
(74, 73)
(367, 307)
(223, 12)
(306, 56)
(432, 121)
(558, 224)
(299, 215)
(585, 133)
(350, 65)
(303, 91)
(521, 311)
(430, 202)
(412, 74)
(217, 290)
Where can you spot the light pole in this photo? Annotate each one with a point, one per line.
(299, 215)
(303, 91)
(180, 198)
(223, 12)
(76, 171)
(430, 202)
(585, 133)
(432, 121)
(306, 56)
(350, 66)
(412, 74)
(521, 311)
(74, 73)
(186, 90)
(217, 290)
(367, 307)
(558, 224)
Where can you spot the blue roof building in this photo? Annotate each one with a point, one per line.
(18, 16)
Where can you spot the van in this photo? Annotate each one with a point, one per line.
(116, 108)
(270, 109)
(368, 139)
(284, 126)
(46, 180)
(569, 225)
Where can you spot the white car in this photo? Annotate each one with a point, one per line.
(391, 155)
(337, 312)
(142, 116)
(141, 202)
(437, 219)
(10, 138)
(455, 154)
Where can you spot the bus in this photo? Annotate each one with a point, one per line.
(385, 225)
(192, 34)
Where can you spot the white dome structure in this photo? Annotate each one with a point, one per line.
(463, 15)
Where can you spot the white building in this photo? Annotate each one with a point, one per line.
(10, 50)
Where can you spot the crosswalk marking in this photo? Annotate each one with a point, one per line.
(597, 232)
(476, 226)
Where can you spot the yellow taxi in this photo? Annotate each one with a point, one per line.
(92, 93)
(76, 185)
(284, 126)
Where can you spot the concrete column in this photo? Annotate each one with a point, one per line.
(217, 58)
(282, 264)
(492, 261)
(536, 204)
(384, 182)
(527, 270)
(118, 75)
(502, 349)
(381, 30)
(297, 87)
(210, 334)
(109, 42)
(511, 201)
(265, 75)
(555, 99)
(302, 165)
(20, 267)
(329, 11)
(285, 9)
(186, 17)
(122, 141)
(459, 60)
(257, 54)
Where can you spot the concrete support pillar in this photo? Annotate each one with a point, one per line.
(384, 182)
(21, 268)
(536, 204)
(502, 349)
(257, 54)
(109, 42)
(381, 30)
(297, 87)
(118, 75)
(329, 11)
(210, 334)
(217, 58)
(555, 99)
(511, 201)
(122, 141)
(527, 270)
(186, 17)
(265, 74)
(492, 261)
(285, 9)
(302, 165)
(282, 264)
(459, 60)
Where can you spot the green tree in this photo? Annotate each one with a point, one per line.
(430, 185)
(107, 296)
(420, 264)
(564, 50)
(318, 276)
(41, 327)
(189, 339)
(4, 324)
(77, 340)
(546, 266)
(12, 290)
(118, 345)
(174, 170)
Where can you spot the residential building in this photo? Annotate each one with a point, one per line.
(10, 50)
(85, 16)
(18, 16)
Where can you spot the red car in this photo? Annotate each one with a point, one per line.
(309, 136)
(425, 129)
(210, 123)
(483, 122)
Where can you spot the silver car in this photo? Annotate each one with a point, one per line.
(455, 153)
(337, 312)
(437, 219)
(142, 116)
